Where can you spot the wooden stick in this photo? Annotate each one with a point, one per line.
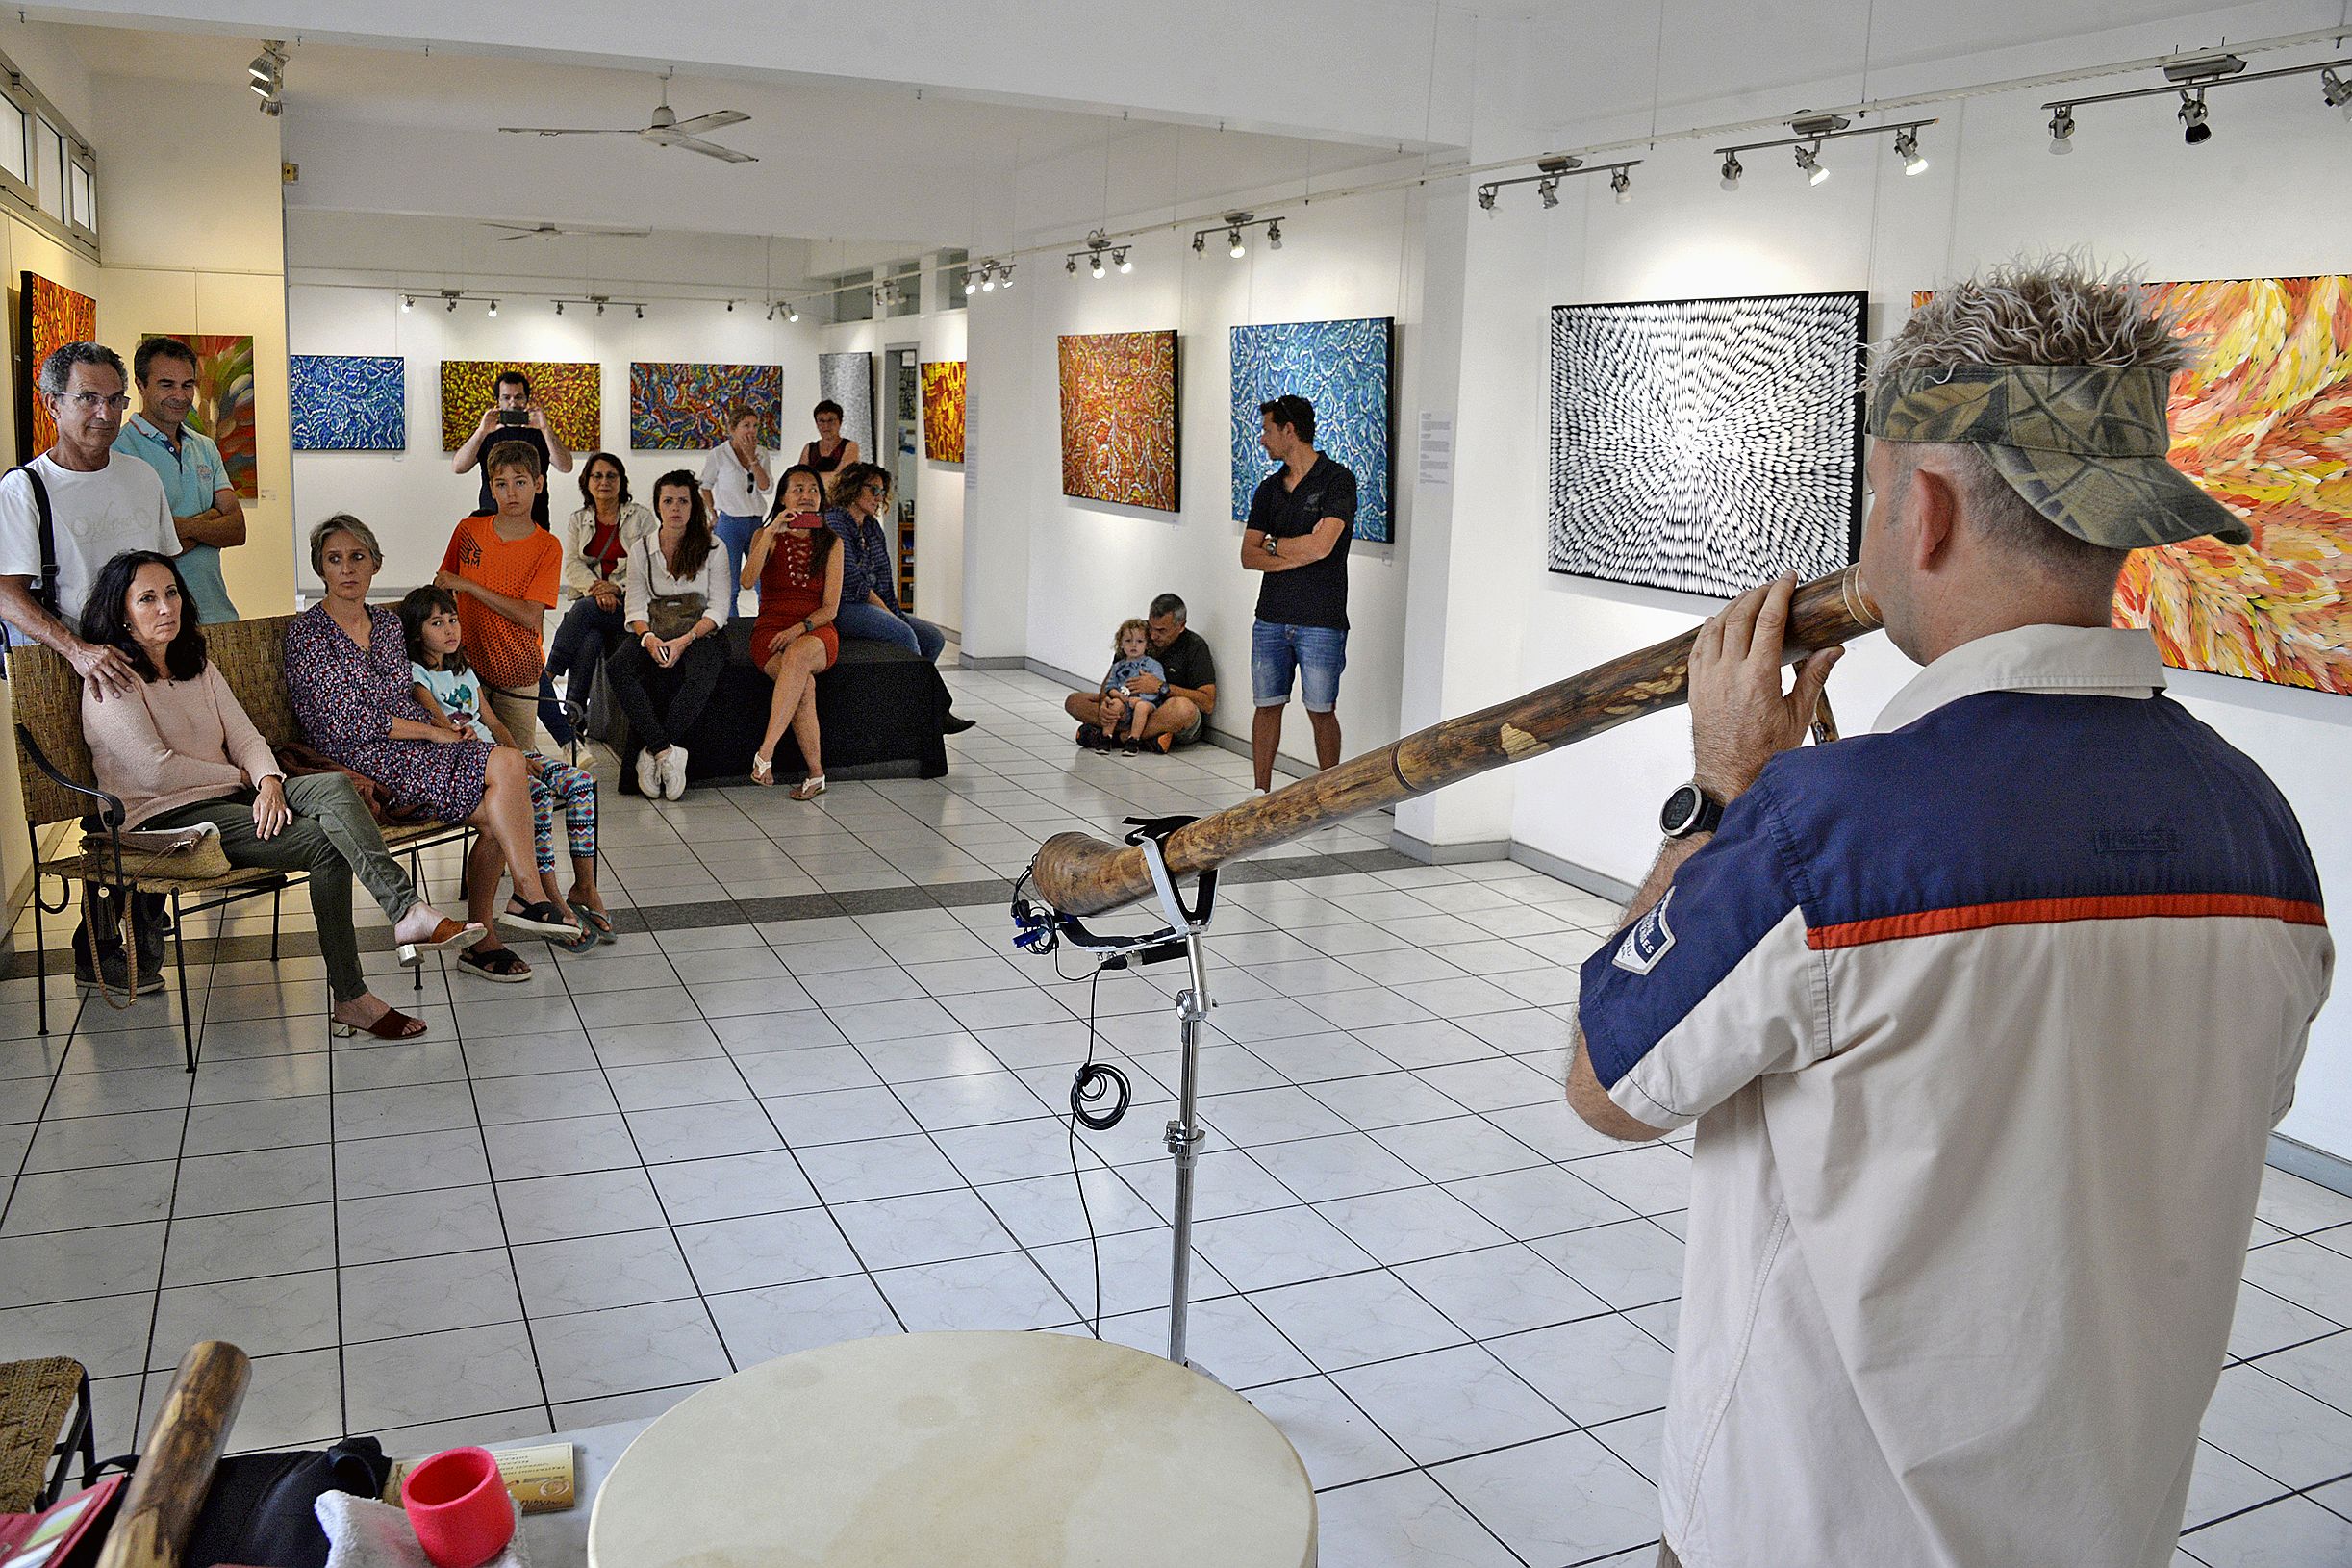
(175, 1469)
(1079, 875)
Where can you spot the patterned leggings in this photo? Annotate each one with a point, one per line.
(558, 786)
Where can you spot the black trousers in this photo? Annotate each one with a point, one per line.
(662, 704)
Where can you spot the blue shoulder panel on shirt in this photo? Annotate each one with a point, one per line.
(1647, 977)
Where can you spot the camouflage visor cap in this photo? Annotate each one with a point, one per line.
(2083, 444)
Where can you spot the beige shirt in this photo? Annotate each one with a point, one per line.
(173, 743)
(637, 520)
(1985, 1019)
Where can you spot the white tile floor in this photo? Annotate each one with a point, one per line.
(724, 1140)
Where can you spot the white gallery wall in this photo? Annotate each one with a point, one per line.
(2130, 190)
(412, 499)
(1064, 571)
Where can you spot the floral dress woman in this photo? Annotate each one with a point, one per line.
(346, 697)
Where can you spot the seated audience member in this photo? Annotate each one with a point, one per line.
(504, 568)
(1131, 662)
(734, 485)
(347, 676)
(869, 572)
(446, 687)
(677, 603)
(797, 570)
(830, 452)
(1186, 688)
(597, 544)
(178, 749)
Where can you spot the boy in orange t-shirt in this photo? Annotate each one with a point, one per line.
(504, 568)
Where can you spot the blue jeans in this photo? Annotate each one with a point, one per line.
(587, 634)
(871, 621)
(735, 532)
(1316, 654)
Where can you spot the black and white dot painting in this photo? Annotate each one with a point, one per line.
(1706, 444)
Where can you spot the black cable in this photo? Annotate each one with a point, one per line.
(1092, 1073)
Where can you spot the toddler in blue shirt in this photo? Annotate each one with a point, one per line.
(1132, 645)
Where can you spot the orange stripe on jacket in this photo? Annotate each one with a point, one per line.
(2053, 911)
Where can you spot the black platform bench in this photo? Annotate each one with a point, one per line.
(880, 708)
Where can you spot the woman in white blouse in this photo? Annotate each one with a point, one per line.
(597, 542)
(676, 604)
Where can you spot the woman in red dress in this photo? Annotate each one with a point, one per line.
(795, 561)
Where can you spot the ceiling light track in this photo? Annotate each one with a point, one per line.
(1233, 228)
(1551, 172)
(1814, 131)
(2191, 77)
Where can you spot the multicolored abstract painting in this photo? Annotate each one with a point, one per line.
(223, 409)
(1343, 368)
(348, 402)
(848, 379)
(1706, 444)
(942, 410)
(49, 315)
(1119, 418)
(684, 407)
(567, 391)
(2264, 425)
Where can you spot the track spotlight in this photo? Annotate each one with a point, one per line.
(791, 313)
(559, 310)
(493, 308)
(1200, 244)
(1095, 264)
(2193, 127)
(451, 305)
(1809, 159)
(1071, 265)
(730, 307)
(1906, 149)
(1233, 245)
(1004, 275)
(1732, 172)
(1486, 203)
(988, 283)
(1118, 258)
(408, 303)
(1622, 183)
(971, 284)
(2335, 92)
(2061, 129)
(1273, 235)
(1547, 192)
(600, 307)
(772, 309)
(641, 312)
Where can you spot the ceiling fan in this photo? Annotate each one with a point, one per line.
(550, 231)
(666, 130)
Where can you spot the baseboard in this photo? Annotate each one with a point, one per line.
(1449, 854)
(1597, 883)
(2330, 1170)
(1002, 661)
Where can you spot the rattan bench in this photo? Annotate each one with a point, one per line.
(52, 758)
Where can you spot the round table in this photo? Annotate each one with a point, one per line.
(924, 1450)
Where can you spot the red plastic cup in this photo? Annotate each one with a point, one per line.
(462, 1512)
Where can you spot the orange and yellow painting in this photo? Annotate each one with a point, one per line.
(1119, 418)
(942, 410)
(2264, 425)
(53, 316)
(567, 391)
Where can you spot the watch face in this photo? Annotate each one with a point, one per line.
(1681, 809)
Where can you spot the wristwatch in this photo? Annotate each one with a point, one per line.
(1690, 810)
(1274, 546)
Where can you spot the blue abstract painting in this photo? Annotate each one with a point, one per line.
(348, 402)
(1345, 368)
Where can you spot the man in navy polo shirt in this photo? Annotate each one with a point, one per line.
(1300, 520)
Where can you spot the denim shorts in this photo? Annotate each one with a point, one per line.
(1317, 653)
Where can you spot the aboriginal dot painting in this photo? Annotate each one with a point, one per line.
(224, 405)
(684, 407)
(1119, 418)
(52, 316)
(566, 391)
(942, 410)
(348, 402)
(1343, 368)
(1706, 444)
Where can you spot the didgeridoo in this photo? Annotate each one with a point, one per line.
(1079, 875)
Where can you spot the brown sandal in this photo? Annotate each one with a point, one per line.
(448, 934)
(391, 1024)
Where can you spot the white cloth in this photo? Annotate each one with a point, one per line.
(649, 578)
(1985, 1021)
(364, 1534)
(731, 485)
(637, 520)
(95, 516)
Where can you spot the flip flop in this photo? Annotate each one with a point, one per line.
(600, 922)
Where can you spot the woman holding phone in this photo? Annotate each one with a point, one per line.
(795, 561)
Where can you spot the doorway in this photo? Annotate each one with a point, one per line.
(902, 402)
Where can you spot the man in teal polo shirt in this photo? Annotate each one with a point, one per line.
(204, 505)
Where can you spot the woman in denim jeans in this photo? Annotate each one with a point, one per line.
(869, 572)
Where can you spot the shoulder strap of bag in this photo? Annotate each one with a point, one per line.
(46, 591)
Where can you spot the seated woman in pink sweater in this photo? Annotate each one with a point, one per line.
(179, 750)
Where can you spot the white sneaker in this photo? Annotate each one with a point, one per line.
(673, 773)
(649, 776)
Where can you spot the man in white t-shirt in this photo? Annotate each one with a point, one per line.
(101, 503)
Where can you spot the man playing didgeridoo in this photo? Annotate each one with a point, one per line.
(1985, 1017)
